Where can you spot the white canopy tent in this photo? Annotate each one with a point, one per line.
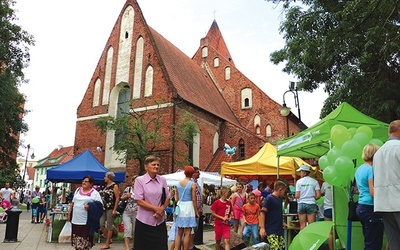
(208, 178)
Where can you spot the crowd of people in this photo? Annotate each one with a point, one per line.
(35, 201)
(255, 215)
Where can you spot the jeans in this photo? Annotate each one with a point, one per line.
(372, 227)
(253, 230)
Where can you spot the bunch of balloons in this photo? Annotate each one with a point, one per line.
(339, 164)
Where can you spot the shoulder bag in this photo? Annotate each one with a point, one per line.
(122, 204)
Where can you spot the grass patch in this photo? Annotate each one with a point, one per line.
(59, 224)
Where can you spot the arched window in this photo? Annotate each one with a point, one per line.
(123, 106)
(216, 62)
(227, 73)
(241, 149)
(246, 96)
(96, 93)
(268, 130)
(148, 85)
(215, 142)
(107, 76)
(204, 52)
(137, 77)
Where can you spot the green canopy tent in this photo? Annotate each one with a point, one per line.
(315, 142)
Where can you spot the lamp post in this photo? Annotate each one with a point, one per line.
(285, 110)
(26, 163)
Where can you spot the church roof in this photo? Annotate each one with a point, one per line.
(191, 81)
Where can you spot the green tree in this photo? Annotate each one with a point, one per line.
(138, 133)
(14, 57)
(351, 48)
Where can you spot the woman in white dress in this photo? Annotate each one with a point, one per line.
(188, 214)
(81, 238)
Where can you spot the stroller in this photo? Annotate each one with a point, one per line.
(5, 205)
(3, 217)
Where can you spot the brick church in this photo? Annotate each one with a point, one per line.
(157, 78)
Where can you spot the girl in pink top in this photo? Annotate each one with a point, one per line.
(238, 199)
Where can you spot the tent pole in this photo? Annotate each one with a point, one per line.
(277, 170)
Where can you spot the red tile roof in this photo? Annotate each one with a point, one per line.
(191, 81)
(58, 156)
(215, 164)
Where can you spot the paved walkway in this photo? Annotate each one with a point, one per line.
(34, 236)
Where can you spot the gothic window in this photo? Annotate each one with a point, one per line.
(227, 73)
(148, 86)
(123, 106)
(107, 77)
(247, 101)
(258, 130)
(216, 62)
(204, 52)
(215, 142)
(96, 94)
(241, 149)
(268, 130)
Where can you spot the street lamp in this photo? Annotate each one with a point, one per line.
(285, 111)
(26, 161)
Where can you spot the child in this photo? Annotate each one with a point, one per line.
(251, 211)
(271, 216)
(42, 209)
(3, 213)
(222, 213)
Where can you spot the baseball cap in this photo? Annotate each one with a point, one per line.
(303, 167)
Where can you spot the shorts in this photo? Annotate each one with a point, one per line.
(222, 230)
(107, 216)
(303, 208)
(328, 213)
(276, 242)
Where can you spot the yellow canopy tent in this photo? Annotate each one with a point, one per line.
(263, 166)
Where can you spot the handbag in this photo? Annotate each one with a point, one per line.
(122, 204)
(352, 216)
(177, 209)
(352, 205)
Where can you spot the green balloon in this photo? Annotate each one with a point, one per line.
(351, 149)
(333, 177)
(366, 130)
(339, 135)
(361, 138)
(352, 131)
(323, 162)
(376, 142)
(344, 164)
(333, 154)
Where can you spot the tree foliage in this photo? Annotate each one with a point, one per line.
(14, 57)
(351, 48)
(138, 133)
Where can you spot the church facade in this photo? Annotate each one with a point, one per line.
(140, 66)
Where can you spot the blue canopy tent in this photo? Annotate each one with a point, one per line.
(78, 167)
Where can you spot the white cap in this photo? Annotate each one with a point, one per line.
(303, 167)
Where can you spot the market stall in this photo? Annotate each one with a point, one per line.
(316, 142)
(263, 166)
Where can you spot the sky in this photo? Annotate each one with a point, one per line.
(71, 35)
